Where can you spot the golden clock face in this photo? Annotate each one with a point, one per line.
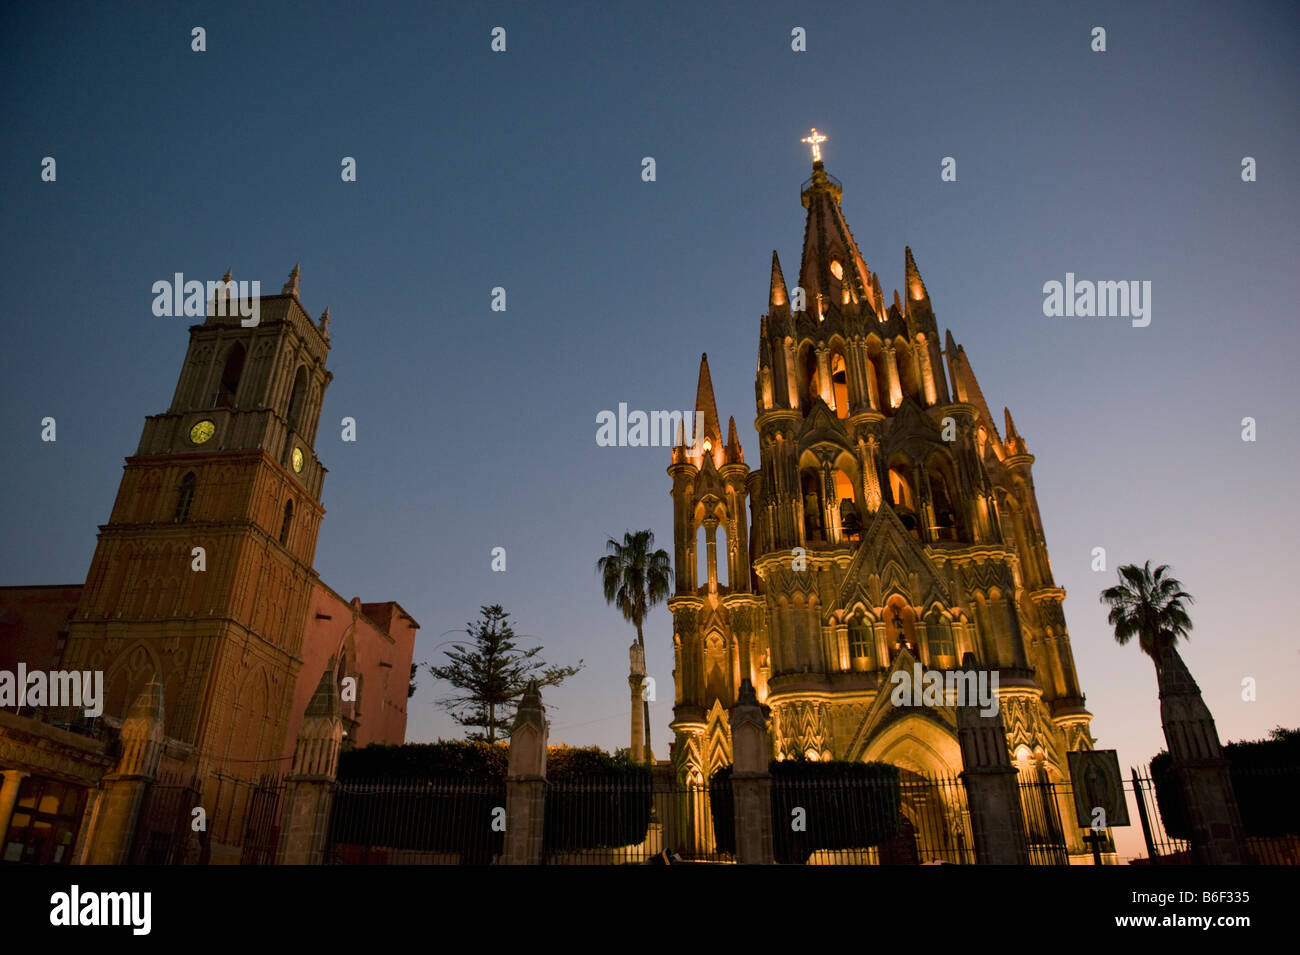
(297, 460)
(202, 431)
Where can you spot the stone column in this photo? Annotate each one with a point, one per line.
(309, 790)
(1217, 836)
(927, 373)
(526, 782)
(751, 783)
(992, 785)
(824, 374)
(895, 384)
(118, 809)
(636, 682)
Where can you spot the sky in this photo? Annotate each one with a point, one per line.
(522, 170)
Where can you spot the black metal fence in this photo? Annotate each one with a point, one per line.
(628, 822)
(164, 826)
(1266, 798)
(413, 822)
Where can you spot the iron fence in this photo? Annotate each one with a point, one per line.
(416, 821)
(1266, 798)
(163, 832)
(628, 822)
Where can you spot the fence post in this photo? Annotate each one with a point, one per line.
(526, 782)
(751, 783)
(1217, 835)
(992, 785)
(309, 790)
(117, 811)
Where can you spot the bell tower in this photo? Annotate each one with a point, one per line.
(719, 640)
(202, 576)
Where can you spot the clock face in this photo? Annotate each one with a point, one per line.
(297, 460)
(202, 431)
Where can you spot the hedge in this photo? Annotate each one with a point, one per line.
(847, 805)
(594, 800)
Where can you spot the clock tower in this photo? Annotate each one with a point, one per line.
(202, 577)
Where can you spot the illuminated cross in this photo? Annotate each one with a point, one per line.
(816, 139)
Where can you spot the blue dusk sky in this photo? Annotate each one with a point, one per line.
(522, 169)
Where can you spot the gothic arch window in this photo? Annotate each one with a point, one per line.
(839, 385)
(724, 566)
(938, 634)
(287, 523)
(298, 398)
(810, 486)
(701, 558)
(908, 378)
(231, 372)
(861, 638)
(717, 667)
(850, 517)
(810, 386)
(904, 497)
(185, 498)
(946, 525)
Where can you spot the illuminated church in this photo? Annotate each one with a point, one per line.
(891, 519)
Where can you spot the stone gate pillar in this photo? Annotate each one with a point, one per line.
(1217, 836)
(526, 782)
(992, 785)
(117, 810)
(309, 790)
(751, 783)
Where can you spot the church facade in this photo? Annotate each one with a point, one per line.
(890, 520)
(202, 611)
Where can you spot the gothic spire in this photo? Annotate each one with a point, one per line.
(831, 263)
(1015, 444)
(291, 286)
(735, 453)
(704, 402)
(916, 291)
(778, 295)
(964, 384)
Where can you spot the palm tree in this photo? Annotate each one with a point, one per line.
(635, 578)
(1149, 606)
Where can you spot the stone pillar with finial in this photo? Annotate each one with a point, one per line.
(291, 286)
(309, 789)
(117, 811)
(636, 681)
(751, 782)
(526, 782)
(992, 784)
(1217, 835)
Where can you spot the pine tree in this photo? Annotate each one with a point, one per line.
(490, 675)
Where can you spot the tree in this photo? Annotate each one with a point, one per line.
(635, 579)
(1149, 606)
(410, 689)
(491, 674)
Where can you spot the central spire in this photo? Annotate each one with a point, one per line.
(832, 272)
